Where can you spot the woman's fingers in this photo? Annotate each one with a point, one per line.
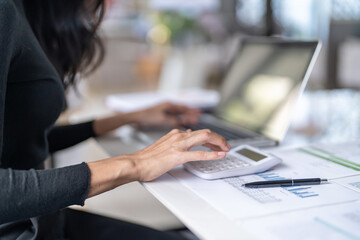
(172, 150)
(212, 147)
(168, 136)
(172, 120)
(189, 119)
(202, 155)
(180, 115)
(174, 108)
(206, 136)
(179, 109)
(163, 140)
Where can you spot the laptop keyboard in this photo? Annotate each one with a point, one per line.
(226, 133)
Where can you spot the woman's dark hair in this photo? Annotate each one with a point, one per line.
(66, 30)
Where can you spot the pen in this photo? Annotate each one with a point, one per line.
(285, 183)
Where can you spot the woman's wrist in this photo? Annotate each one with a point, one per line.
(127, 170)
(110, 173)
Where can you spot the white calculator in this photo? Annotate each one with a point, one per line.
(241, 160)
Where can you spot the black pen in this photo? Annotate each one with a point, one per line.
(285, 183)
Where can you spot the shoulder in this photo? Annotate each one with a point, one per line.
(8, 7)
(9, 13)
(9, 23)
(9, 29)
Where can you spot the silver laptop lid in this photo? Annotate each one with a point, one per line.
(266, 78)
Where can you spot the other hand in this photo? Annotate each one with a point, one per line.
(167, 114)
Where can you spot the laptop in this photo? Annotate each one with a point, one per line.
(260, 90)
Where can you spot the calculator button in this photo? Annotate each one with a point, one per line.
(229, 162)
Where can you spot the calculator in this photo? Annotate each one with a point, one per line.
(241, 160)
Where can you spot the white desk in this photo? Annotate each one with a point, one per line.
(195, 213)
(206, 220)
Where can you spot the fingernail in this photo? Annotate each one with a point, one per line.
(221, 154)
(228, 145)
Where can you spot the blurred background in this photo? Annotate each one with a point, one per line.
(141, 35)
(168, 45)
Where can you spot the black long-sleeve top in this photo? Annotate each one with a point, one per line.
(31, 99)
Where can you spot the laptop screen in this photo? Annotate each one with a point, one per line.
(260, 90)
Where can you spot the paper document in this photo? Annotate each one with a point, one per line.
(332, 161)
(346, 154)
(239, 203)
(335, 222)
(197, 98)
(349, 182)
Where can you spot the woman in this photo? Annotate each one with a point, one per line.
(44, 44)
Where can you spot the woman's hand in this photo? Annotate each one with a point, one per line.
(151, 162)
(166, 114)
(173, 150)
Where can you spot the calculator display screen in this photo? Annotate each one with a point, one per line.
(251, 154)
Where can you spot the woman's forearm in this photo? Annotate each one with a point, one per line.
(105, 125)
(163, 114)
(110, 173)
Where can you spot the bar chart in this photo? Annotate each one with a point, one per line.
(259, 195)
(299, 191)
(302, 192)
